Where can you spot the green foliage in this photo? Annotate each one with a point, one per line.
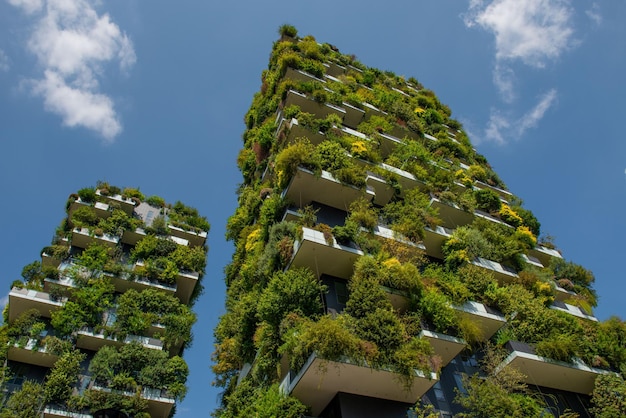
(436, 308)
(609, 397)
(409, 216)
(27, 402)
(118, 222)
(300, 153)
(84, 217)
(62, 377)
(487, 200)
(293, 291)
(156, 201)
(93, 258)
(87, 194)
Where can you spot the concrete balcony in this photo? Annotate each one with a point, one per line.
(388, 143)
(529, 259)
(21, 300)
(319, 380)
(434, 239)
(488, 320)
(544, 254)
(505, 195)
(334, 69)
(299, 75)
(185, 283)
(298, 131)
(123, 283)
(451, 215)
(320, 110)
(56, 411)
(561, 294)
(194, 239)
(446, 346)
(371, 110)
(501, 273)
(407, 180)
(572, 310)
(160, 403)
(314, 253)
(32, 353)
(101, 209)
(305, 187)
(399, 298)
(353, 116)
(574, 377)
(83, 237)
(126, 204)
(383, 191)
(88, 339)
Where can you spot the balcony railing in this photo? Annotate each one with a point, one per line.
(319, 380)
(185, 283)
(574, 377)
(21, 300)
(544, 254)
(320, 110)
(434, 239)
(450, 214)
(322, 257)
(126, 204)
(501, 273)
(57, 411)
(195, 239)
(160, 403)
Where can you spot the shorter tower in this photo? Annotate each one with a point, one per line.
(102, 320)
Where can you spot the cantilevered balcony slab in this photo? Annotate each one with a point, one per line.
(399, 299)
(500, 272)
(504, 194)
(88, 339)
(404, 132)
(572, 310)
(185, 283)
(82, 238)
(451, 215)
(21, 300)
(160, 403)
(56, 411)
(383, 190)
(195, 239)
(305, 187)
(124, 203)
(333, 259)
(388, 143)
(488, 320)
(407, 180)
(320, 380)
(320, 110)
(561, 294)
(371, 110)
(101, 209)
(353, 115)
(30, 353)
(334, 69)
(529, 259)
(434, 239)
(122, 283)
(544, 254)
(574, 377)
(299, 75)
(446, 347)
(298, 131)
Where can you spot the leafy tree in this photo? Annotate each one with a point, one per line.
(27, 402)
(62, 377)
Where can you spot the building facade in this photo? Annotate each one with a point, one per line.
(382, 268)
(101, 321)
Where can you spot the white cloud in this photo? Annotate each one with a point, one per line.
(4, 61)
(594, 13)
(530, 31)
(73, 43)
(501, 127)
(3, 302)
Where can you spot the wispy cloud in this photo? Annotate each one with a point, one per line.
(73, 44)
(594, 13)
(530, 31)
(503, 127)
(3, 302)
(4, 61)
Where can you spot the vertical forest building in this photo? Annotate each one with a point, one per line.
(383, 269)
(100, 323)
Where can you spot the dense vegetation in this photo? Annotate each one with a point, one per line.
(115, 277)
(275, 309)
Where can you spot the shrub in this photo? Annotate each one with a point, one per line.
(87, 195)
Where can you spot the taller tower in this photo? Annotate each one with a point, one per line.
(101, 321)
(382, 266)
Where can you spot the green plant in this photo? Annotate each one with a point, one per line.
(288, 30)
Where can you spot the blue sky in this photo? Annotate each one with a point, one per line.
(152, 94)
